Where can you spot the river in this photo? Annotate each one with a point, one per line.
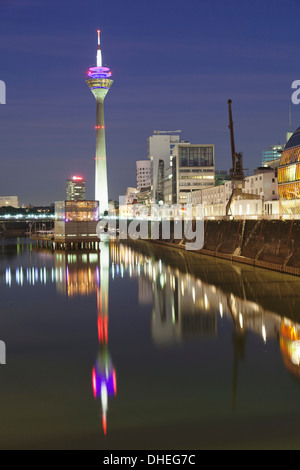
(140, 346)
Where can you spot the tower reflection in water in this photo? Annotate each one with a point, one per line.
(86, 274)
(104, 374)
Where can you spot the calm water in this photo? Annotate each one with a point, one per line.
(144, 347)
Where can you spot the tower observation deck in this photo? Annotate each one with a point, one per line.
(99, 81)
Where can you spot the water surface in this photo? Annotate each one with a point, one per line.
(144, 347)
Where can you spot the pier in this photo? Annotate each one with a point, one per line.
(50, 241)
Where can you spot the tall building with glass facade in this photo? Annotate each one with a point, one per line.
(272, 154)
(193, 168)
(75, 189)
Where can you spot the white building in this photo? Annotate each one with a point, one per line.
(193, 169)
(263, 183)
(9, 201)
(259, 197)
(131, 195)
(160, 147)
(143, 174)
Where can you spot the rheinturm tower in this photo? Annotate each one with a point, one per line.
(99, 82)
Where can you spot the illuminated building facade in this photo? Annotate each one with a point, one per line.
(289, 175)
(75, 189)
(99, 82)
(76, 221)
(193, 168)
(260, 197)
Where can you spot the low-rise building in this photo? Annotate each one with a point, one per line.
(9, 201)
(76, 221)
(144, 196)
(258, 197)
(131, 195)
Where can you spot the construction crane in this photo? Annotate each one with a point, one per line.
(236, 172)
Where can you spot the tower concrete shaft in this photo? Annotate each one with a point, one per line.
(99, 83)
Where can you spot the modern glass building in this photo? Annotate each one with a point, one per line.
(272, 154)
(289, 175)
(76, 221)
(193, 168)
(75, 189)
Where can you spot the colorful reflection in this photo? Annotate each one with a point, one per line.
(104, 378)
(290, 346)
(104, 382)
(183, 304)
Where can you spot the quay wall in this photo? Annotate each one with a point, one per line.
(270, 244)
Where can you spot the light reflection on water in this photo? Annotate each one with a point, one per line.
(189, 300)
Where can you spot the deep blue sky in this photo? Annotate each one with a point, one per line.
(174, 63)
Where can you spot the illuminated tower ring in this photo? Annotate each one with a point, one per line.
(99, 82)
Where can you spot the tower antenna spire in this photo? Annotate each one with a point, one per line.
(99, 54)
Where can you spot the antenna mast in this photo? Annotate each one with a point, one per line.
(99, 54)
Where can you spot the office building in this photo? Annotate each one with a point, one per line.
(160, 147)
(143, 174)
(193, 169)
(99, 82)
(75, 189)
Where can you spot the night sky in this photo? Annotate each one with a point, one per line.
(174, 63)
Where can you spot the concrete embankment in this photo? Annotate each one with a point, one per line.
(270, 244)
